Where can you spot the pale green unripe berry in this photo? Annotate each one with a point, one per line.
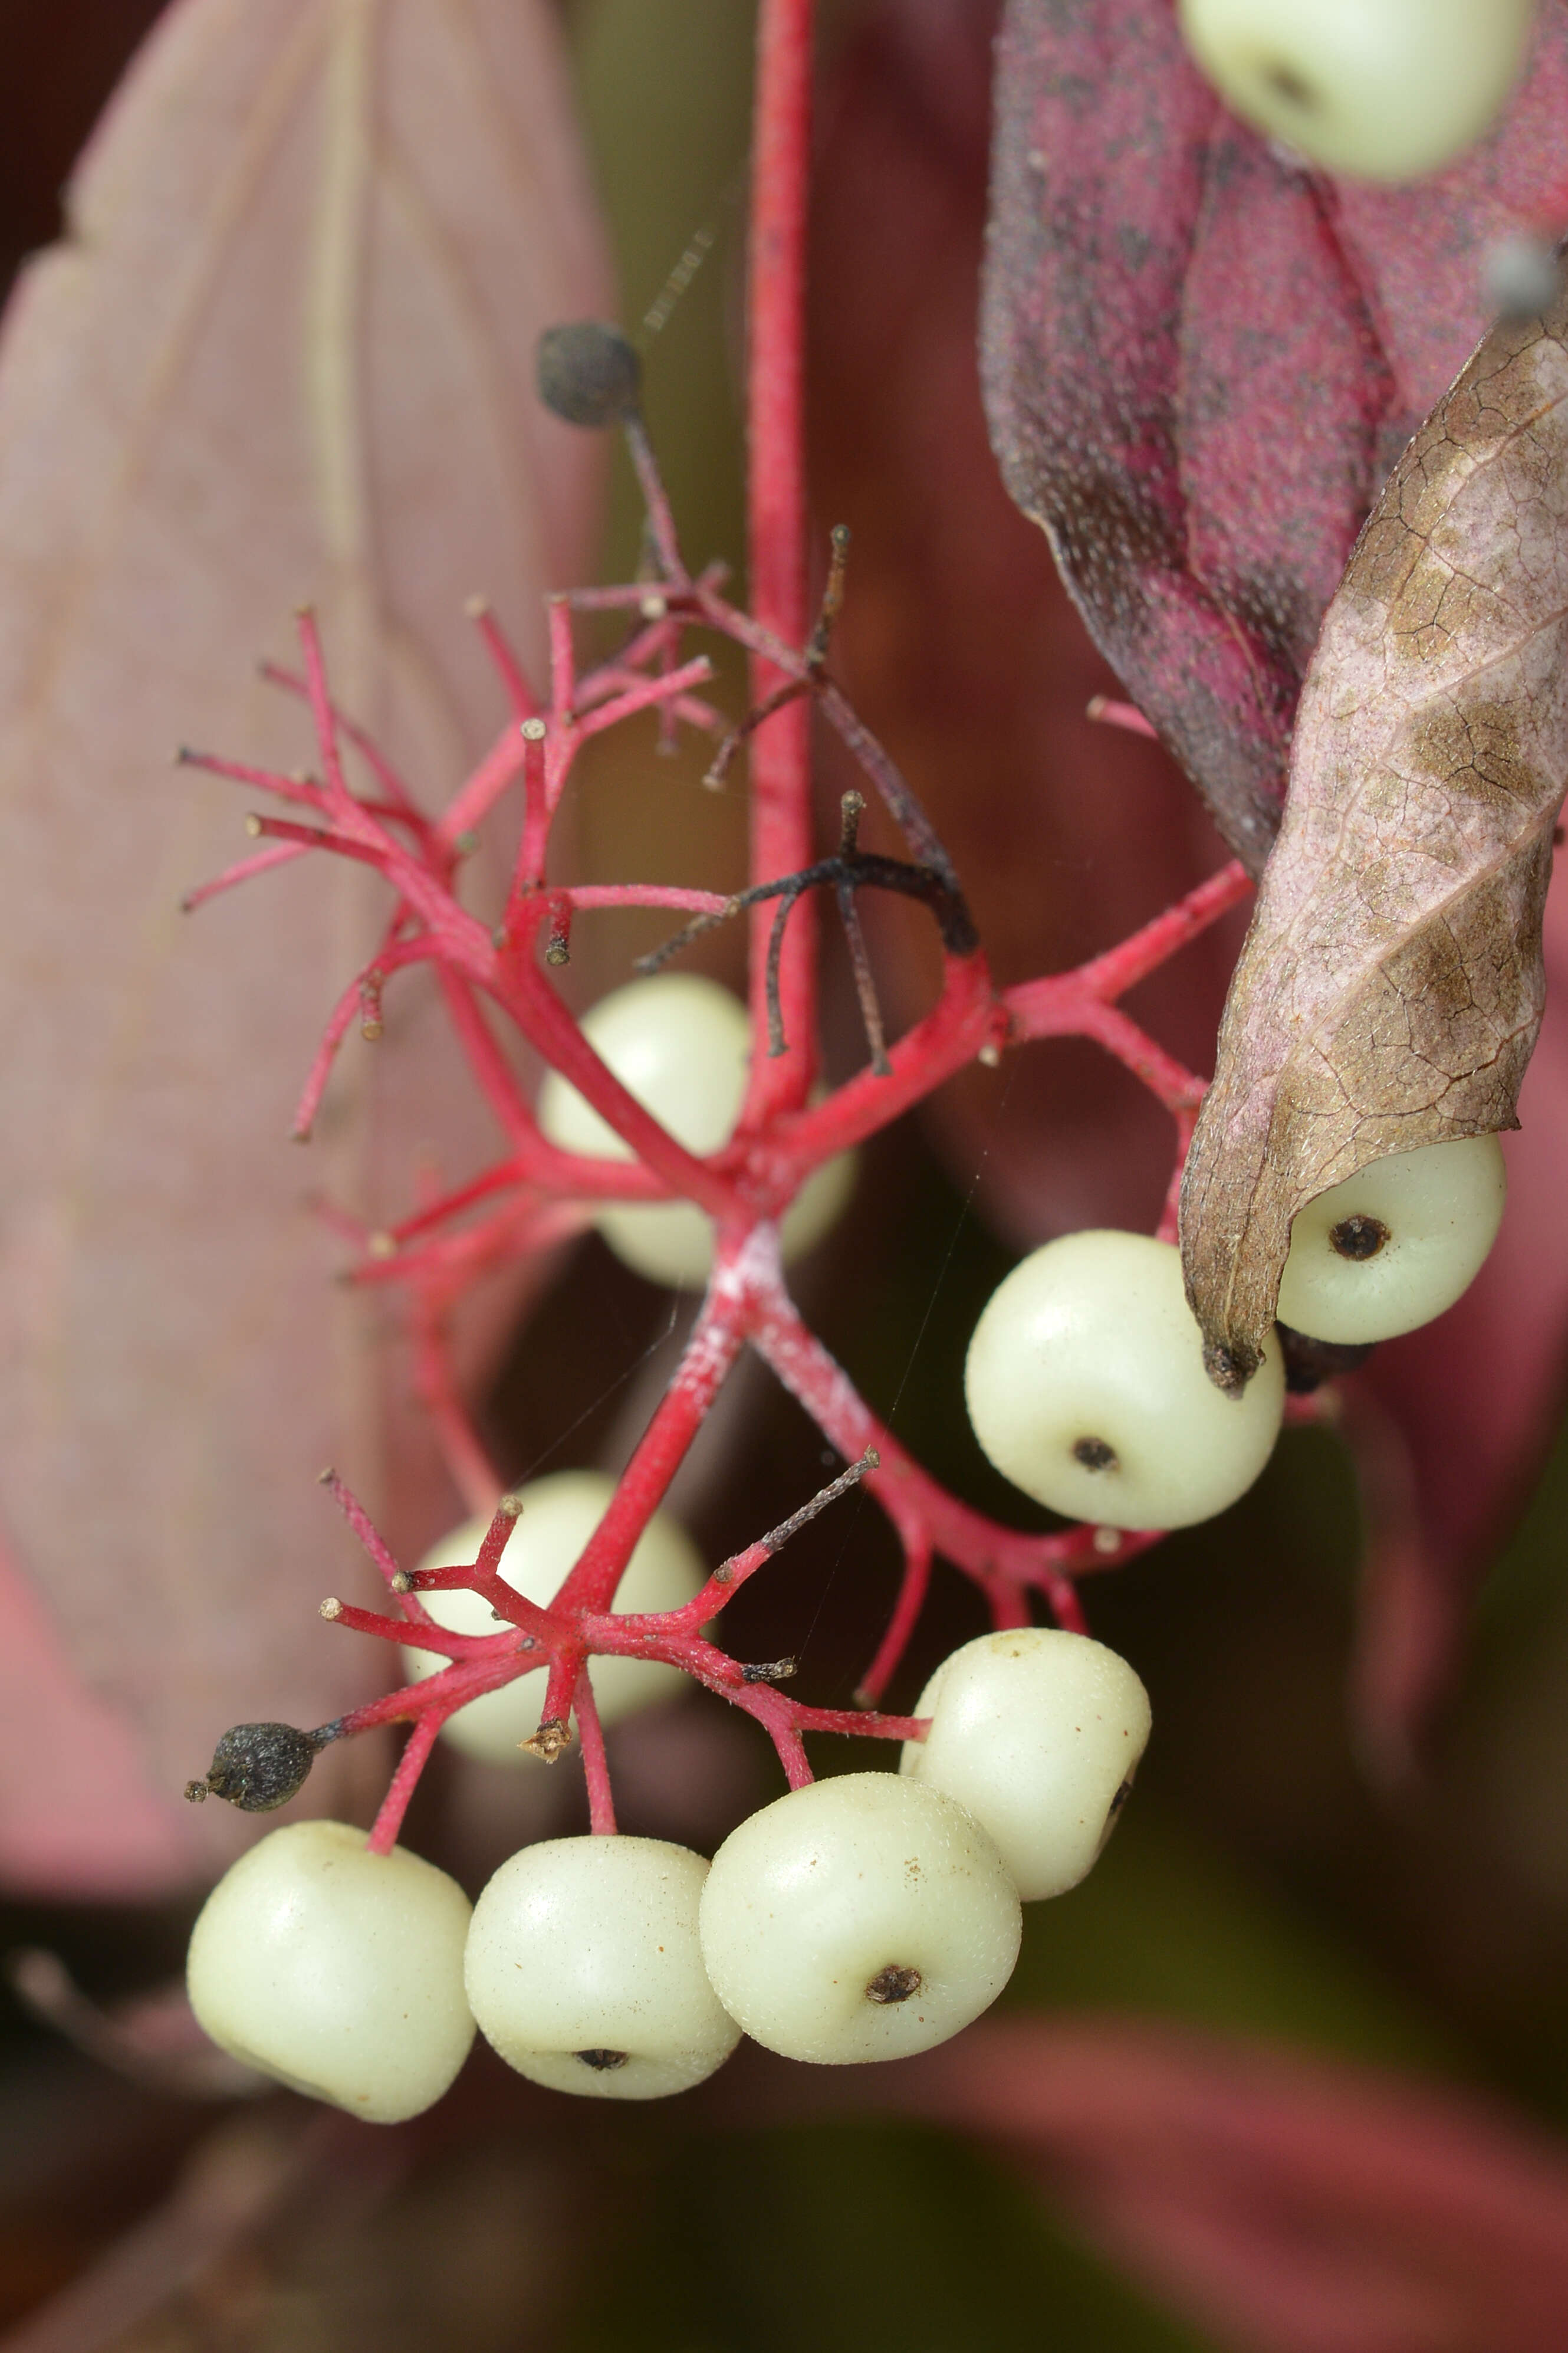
(1380, 89)
(860, 1918)
(1038, 1734)
(1086, 1387)
(681, 1045)
(336, 1970)
(584, 1971)
(1395, 1244)
(559, 1515)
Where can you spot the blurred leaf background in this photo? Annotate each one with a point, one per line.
(1256, 1887)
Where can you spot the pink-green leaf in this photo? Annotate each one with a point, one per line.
(284, 353)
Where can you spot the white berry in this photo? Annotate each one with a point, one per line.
(858, 1918)
(682, 1046)
(336, 1970)
(1380, 89)
(584, 1971)
(1038, 1734)
(559, 1514)
(1395, 1244)
(1086, 1387)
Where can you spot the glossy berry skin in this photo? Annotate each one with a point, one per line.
(1086, 1387)
(860, 1918)
(336, 1970)
(1377, 90)
(584, 1971)
(1038, 1734)
(682, 1046)
(1396, 1243)
(559, 1514)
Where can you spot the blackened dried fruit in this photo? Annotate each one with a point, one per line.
(589, 373)
(259, 1765)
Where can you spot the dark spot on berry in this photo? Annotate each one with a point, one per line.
(1094, 1454)
(893, 1984)
(603, 2062)
(1287, 84)
(259, 1765)
(1358, 1237)
(588, 373)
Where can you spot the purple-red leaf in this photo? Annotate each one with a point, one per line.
(286, 352)
(1201, 359)
(1287, 2205)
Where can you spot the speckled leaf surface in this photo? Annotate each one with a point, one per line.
(1201, 360)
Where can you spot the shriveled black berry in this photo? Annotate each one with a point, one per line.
(589, 373)
(1310, 1363)
(259, 1765)
(1357, 1236)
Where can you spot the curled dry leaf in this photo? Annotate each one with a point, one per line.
(1391, 988)
(284, 353)
(1161, 285)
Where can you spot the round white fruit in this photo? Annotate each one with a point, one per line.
(858, 1918)
(1086, 1387)
(584, 1971)
(682, 1046)
(1395, 1244)
(1380, 89)
(1038, 1734)
(559, 1515)
(336, 1970)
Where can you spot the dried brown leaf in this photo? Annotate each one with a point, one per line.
(284, 353)
(1391, 988)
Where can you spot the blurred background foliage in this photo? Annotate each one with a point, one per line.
(1255, 1886)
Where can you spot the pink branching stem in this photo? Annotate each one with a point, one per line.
(405, 1780)
(353, 1001)
(644, 696)
(912, 1586)
(661, 521)
(282, 853)
(1034, 1008)
(1000, 1559)
(563, 665)
(709, 1354)
(365, 1529)
(509, 669)
(688, 707)
(366, 744)
(965, 1018)
(498, 1081)
(595, 1765)
(468, 1464)
(780, 767)
(508, 1216)
(643, 894)
(501, 768)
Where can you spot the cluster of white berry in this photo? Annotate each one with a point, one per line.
(858, 1918)
(1085, 1381)
(862, 1918)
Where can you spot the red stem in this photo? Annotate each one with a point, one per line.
(780, 765)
